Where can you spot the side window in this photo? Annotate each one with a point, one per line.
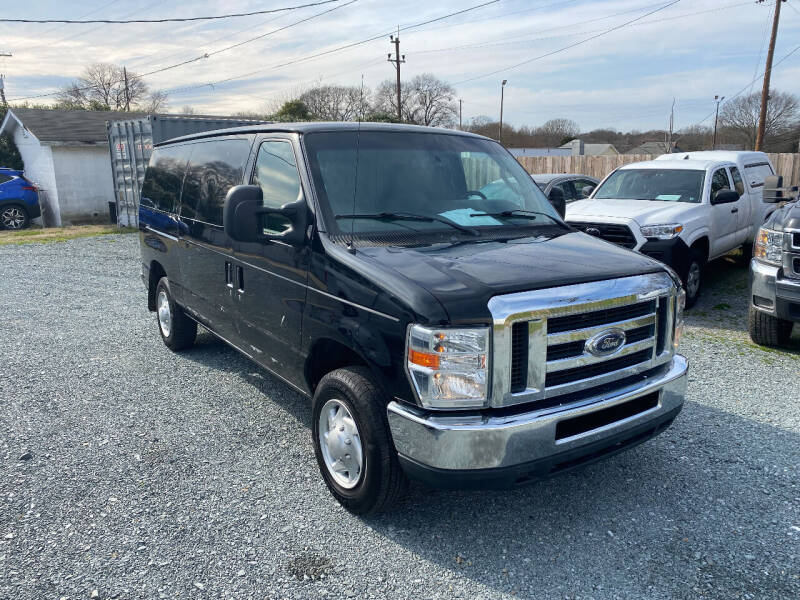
(568, 190)
(4, 178)
(719, 181)
(214, 168)
(738, 184)
(164, 176)
(276, 173)
(580, 184)
(757, 173)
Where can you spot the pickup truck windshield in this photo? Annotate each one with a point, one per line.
(668, 185)
(421, 182)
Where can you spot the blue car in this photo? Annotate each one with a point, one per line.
(19, 200)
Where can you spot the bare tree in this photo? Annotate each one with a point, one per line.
(740, 116)
(384, 100)
(104, 86)
(433, 101)
(335, 102)
(156, 102)
(556, 132)
(186, 110)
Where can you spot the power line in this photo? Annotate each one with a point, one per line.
(568, 47)
(205, 55)
(175, 20)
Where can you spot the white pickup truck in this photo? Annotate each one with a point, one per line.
(682, 209)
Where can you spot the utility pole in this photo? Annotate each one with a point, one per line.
(671, 127)
(502, 91)
(3, 81)
(762, 117)
(460, 125)
(127, 95)
(397, 60)
(716, 118)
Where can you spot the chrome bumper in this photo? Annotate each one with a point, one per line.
(473, 441)
(769, 292)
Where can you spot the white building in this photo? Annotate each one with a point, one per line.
(66, 155)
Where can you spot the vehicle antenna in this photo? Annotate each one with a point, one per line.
(351, 246)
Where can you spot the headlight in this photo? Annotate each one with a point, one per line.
(448, 367)
(680, 304)
(661, 232)
(768, 246)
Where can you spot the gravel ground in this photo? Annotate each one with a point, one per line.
(127, 471)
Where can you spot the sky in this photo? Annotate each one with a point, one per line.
(687, 51)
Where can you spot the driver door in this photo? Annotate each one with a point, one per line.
(724, 217)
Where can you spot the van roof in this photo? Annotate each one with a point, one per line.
(319, 126)
(719, 155)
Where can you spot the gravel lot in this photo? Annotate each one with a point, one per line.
(127, 471)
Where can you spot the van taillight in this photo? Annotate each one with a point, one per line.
(30, 187)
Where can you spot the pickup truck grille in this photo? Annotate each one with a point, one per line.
(616, 234)
(540, 338)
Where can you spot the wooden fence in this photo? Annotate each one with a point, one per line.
(787, 165)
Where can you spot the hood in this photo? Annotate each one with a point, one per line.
(644, 212)
(785, 217)
(464, 276)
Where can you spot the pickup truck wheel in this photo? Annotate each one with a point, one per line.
(766, 330)
(693, 278)
(352, 442)
(177, 330)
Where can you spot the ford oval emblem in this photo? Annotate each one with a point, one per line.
(592, 231)
(606, 342)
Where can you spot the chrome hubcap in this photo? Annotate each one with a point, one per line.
(693, 280)
(164, 317)
(13, 218)
(340, 443)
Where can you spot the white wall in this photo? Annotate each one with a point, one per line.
(39, 169)
(83, 179)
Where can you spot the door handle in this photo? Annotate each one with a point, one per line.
(228, 274)
(240, 278)
(734, 210)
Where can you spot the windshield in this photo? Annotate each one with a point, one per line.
(421, 182)
(669, 185)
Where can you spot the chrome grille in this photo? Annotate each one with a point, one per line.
(540, 337)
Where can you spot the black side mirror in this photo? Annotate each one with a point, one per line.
(773, 189)
(725, 196)
(244, 216)
(587, 191)
(556, 197)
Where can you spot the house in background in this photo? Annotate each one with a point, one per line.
(578, 147)
(66, 155)
(654, 148)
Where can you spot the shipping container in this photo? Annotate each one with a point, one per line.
(131, 144)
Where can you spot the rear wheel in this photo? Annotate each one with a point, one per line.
(177, 330)
(352, 442)
(767, 330)
(14, 216)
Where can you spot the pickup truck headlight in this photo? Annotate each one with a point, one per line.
(768, 246)
(448, 367)
(661, 232)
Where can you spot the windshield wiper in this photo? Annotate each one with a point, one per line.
(520, 213)
(404, 216)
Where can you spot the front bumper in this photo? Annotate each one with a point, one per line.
(479, 451)
(674, 253)
(773, 294)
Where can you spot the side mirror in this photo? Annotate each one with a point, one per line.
(587, 191)
(725, 197)
(556, 197)
(244, 216)
(773, 189)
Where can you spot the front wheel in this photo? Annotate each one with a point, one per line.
(693, 278)
(14, 217)
(767, 330)
(352, 442)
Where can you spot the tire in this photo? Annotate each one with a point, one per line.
(177, 330)
(766, 330)
(378, 481)
(14, 217)
(693, 277)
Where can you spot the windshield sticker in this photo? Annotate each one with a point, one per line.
(669, 197)
(462, 217)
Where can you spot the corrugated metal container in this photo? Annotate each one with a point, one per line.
(131, 143)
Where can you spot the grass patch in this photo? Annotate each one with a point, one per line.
(722, 306)
(58, 234)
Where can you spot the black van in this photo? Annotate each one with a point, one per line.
(417, 285)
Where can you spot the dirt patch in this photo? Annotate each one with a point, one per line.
(38, 235)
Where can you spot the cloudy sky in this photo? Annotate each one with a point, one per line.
(689, 50)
